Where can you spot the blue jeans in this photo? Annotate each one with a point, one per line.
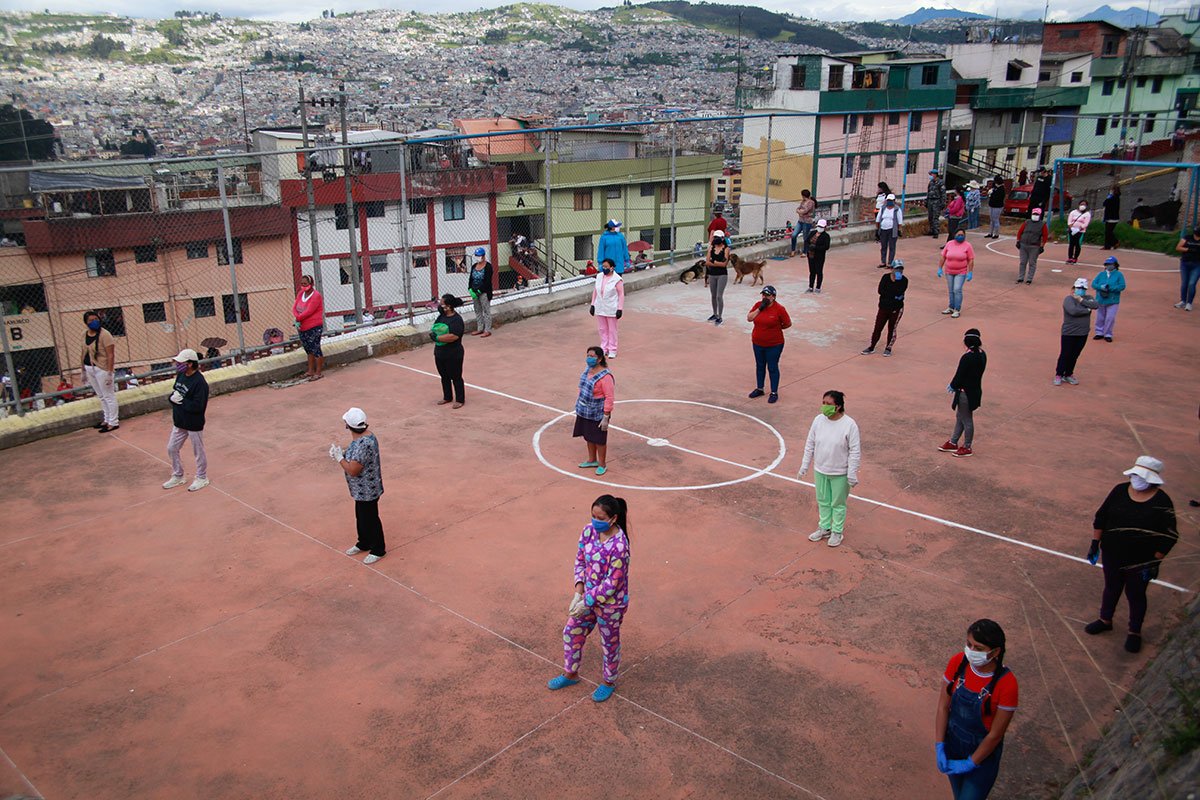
(803, 229)
(766, 360)
(972, 219)
(1189, 274)
(955, 284)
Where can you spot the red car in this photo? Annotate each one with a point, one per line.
(1017, 201)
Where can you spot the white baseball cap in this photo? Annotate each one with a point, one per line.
(890, 197)
(1148, 467)
(821, 223)
(355, 418)
(1081, 283)
(187, 354)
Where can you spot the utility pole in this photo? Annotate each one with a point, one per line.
(674, 180)
(245, 126)
(737, 94)
(1131, 55)
(308, 192)
(24, 140)
(351, 211)
(767, 190)
(232, 257)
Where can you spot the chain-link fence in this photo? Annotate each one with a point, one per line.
(208, 252)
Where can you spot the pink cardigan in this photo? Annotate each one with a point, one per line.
(310, 314)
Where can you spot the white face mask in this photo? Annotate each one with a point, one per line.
(1139, 483)
(974, 657)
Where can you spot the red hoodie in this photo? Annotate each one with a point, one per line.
(311, 313)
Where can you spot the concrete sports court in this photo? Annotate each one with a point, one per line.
(161, 644)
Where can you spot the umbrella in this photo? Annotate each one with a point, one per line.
(213, 341)
(272, 336)
(639, 245)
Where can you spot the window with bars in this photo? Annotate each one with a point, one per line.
(197, 250)
(223, 253)
(203, 307)
(379, 263)
(154, 312)
(231, 311)
(100, 263)
(929, 75)
(373, 209)
(914, 122)
(112, 319)
(417, 205)
(837, 77)
(799, 73)
(664, 194)
(889, 161)
(647, 190)
(145, 254)
(613, 192)
(583, 200)
(583, 248)
(341, 216)
(454, 208)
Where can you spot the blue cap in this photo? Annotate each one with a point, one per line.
(1111, 260)
(768, 289)
(479, 251)
(612, 223)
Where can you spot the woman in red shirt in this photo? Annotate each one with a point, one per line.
(770, 321)
(974, 712)
(309, 311)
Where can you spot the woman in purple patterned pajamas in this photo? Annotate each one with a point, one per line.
(601, 594)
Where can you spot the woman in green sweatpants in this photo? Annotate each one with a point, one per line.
(833, 450)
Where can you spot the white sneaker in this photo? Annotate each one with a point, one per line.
(352, 551)
(198, 484)
(956, 314)
(610, 355)
(1180, 304)
(1188, 307)
(835, 539)
(371, 559)
(948, 311)
(818, 535)
(175, 481)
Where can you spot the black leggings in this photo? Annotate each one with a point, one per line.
(1074, 244)
(1068, 355)
(1110, 234)
(449, 361)
(816, 268)
(1118, 578)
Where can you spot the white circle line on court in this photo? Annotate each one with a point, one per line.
(988, 247)
(754, 473)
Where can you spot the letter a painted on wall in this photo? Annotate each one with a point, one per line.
(521, 202)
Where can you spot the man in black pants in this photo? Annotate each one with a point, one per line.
(360, 462)
(1039, 195)
(1112, 215)
(448, 352)
(891, 307)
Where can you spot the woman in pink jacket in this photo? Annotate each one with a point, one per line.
(955, 213)
(958, 265)
(309, 311)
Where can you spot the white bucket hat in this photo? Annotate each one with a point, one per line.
(1148, 467)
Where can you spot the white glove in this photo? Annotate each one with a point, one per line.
(803, 471)
(577, 607)
(336, 453)
(604, 423)
(176, 398)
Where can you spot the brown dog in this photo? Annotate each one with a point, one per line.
(744, 268)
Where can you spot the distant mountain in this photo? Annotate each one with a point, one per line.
(1127, 18)
(926, 14)
(755, 22)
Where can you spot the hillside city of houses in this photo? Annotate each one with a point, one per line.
(145, 241)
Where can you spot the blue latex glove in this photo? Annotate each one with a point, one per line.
(949, 389)
(1094, 552)
(943, 764)
(939, 272)
(959, 766)
(969, 276)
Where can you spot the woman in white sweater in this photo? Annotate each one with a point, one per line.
(833, 451)
(1077, 225)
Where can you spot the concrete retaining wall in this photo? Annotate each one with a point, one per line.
(348, 348)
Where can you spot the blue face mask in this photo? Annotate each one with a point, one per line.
(898, 273)
(601, 526)
(891, 203)
(1081, 292)
(592, 361)
(960, 238)
(94, 325)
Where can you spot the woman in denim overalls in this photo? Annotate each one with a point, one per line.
(974, 712)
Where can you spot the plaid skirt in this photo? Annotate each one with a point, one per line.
(310, 340)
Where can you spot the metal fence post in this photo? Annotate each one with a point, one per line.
(904, 180)
(843, 211)
(308, 193)
(232, 259)
(671, 257)
(767, 180)
(351, 213)
(12, 371)
(1041, 151)
(547, 226)
(405, 253)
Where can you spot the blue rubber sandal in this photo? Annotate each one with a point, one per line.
(601, 470)
(603, 692)
(589, 464)
(560, 682)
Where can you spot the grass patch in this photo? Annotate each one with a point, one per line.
(1131, 238)
(1184, 736)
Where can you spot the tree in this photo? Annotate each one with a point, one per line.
(102, 46)
(140, 145)
(20, 130)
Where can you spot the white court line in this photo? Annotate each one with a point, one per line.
(988, 247)
(20, 774)
(790, 479)
(472, 622)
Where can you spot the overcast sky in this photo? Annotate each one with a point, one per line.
(297, 10)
